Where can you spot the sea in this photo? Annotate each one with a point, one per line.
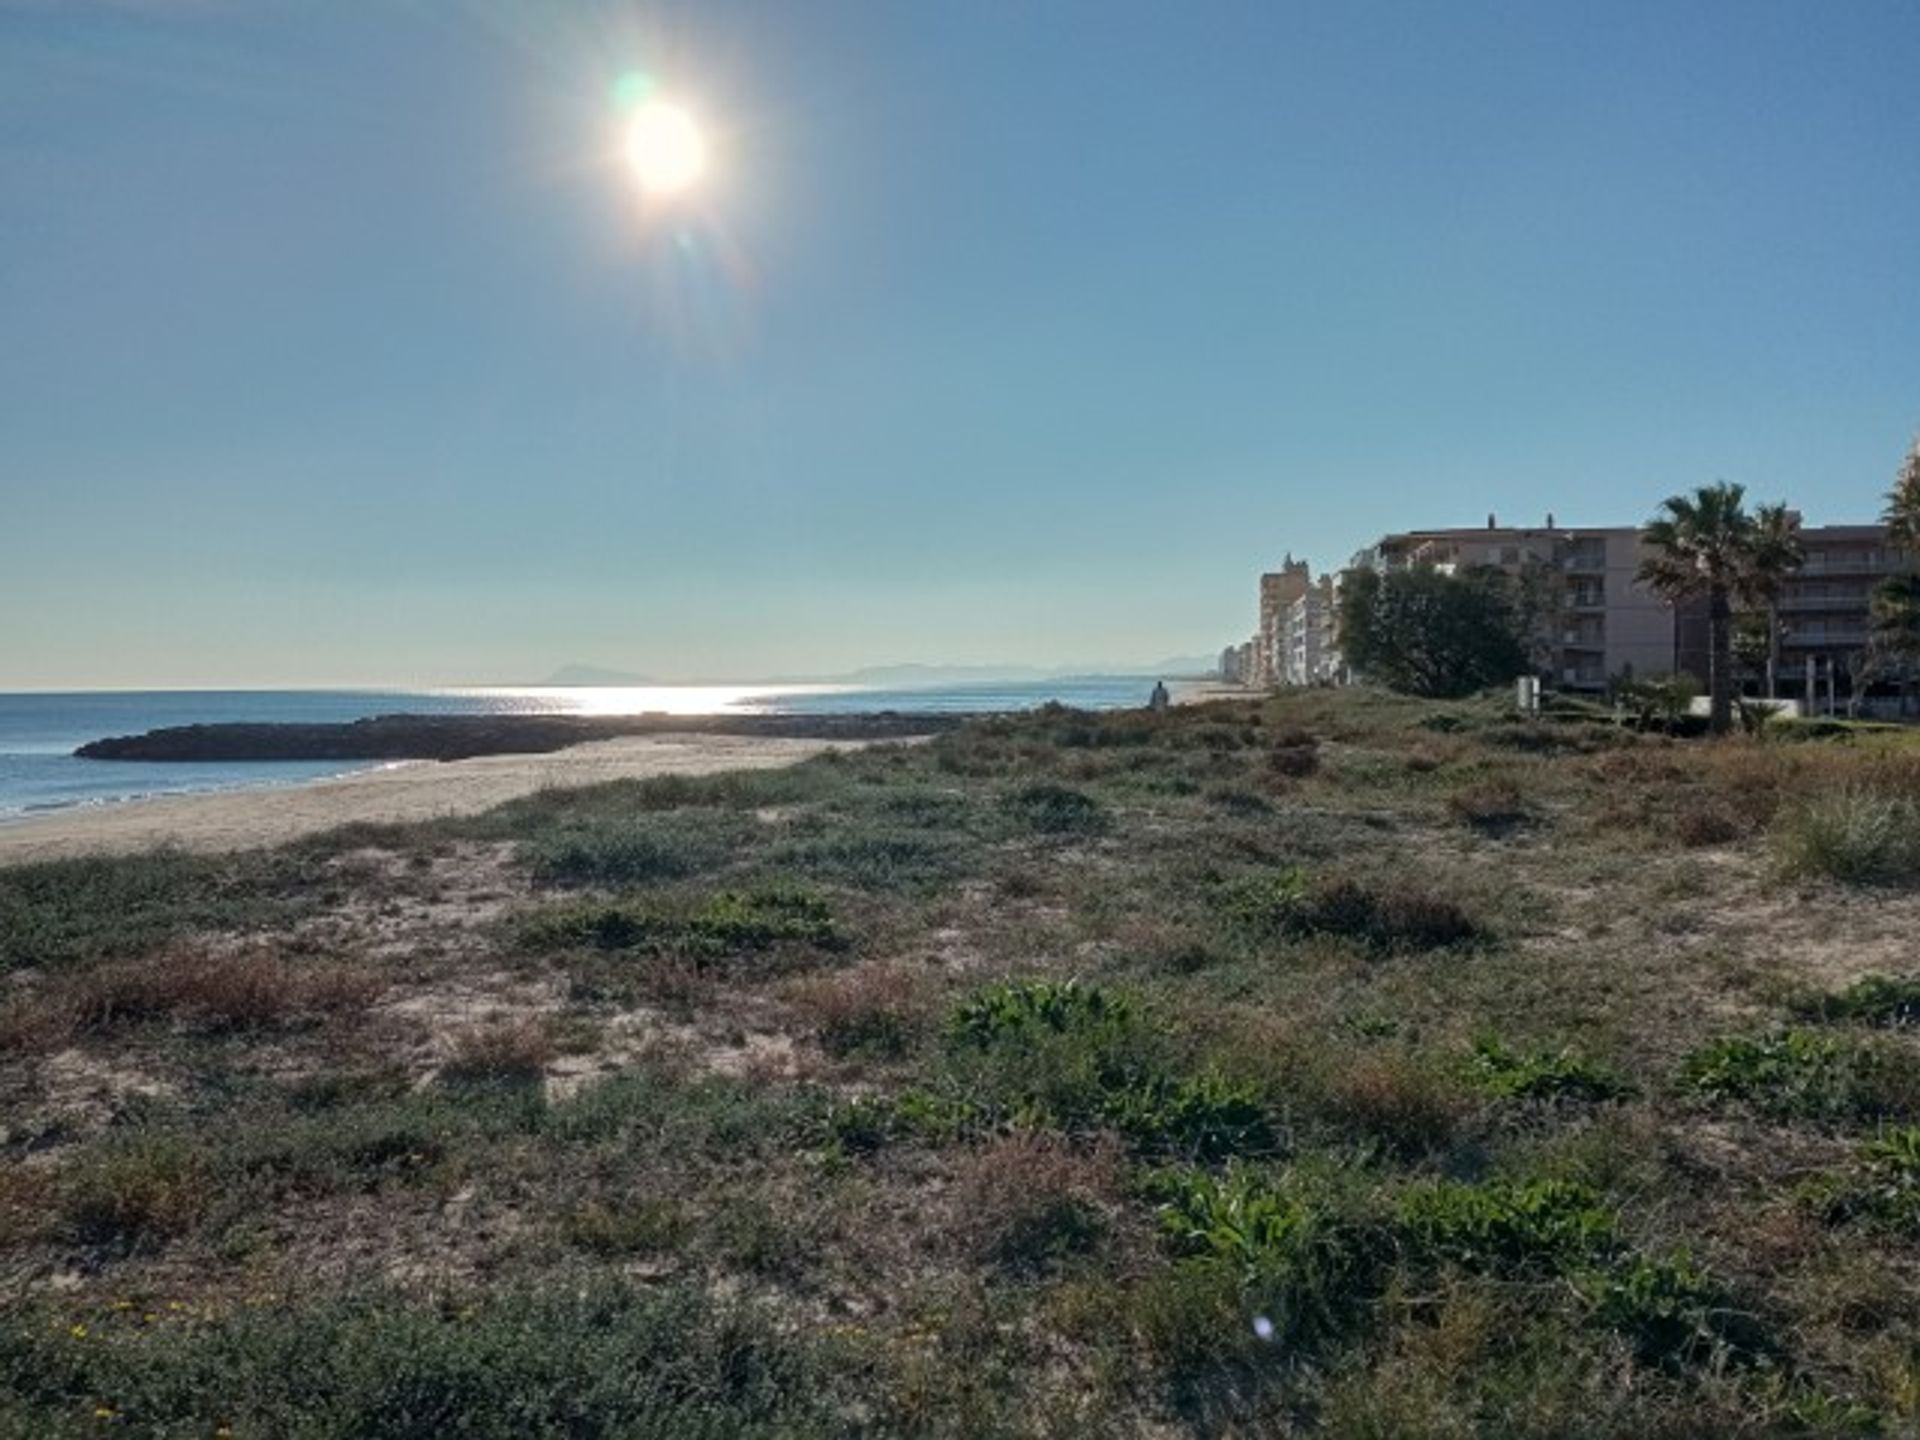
(39, 773)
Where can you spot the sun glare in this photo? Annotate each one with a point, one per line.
(666, 149)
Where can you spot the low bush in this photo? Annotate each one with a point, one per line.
(553, 1363)
(1395, 1101)
(1541, 1074)
(135, 1194)
(1031, 1202)
(1295, 755)
(724, 922)
(631, 850)
(212, 991)
(645, 1227)
(1698, 826)
(1205, 1116)
(1541, 1226)
(1857, 836)
(1019, 1008)
(1670, 1310)
(1875, 999)
(1056, 810)
(1493, 805)
(1306, 1268)
(1883, 1186)
(877, 1010)
(512, 1052)
(1801, 1073)
(62, 911)
(1286, 905)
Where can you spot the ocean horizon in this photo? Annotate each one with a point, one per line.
(39, 730)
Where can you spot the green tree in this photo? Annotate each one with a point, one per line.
(1777, 554)
(1902, 515)
(1893, 638)
(1429, 633)
(1703, 545)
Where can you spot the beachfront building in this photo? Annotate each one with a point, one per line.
(1279, 589)
(1592, 618)
(1825, 611)
(1311, 652)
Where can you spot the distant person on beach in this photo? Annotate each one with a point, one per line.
(1159, 699)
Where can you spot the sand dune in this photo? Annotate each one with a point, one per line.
(417, 791)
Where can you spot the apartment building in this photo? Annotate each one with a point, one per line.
(1311, 654)
(1279, 589)
(1594, 618)
(1825, 608)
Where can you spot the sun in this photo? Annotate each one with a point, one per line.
(666, 149)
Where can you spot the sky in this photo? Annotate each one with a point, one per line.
(338, 343)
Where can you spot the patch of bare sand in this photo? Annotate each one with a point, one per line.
(423, 790)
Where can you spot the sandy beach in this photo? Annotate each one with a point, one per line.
(422, 790)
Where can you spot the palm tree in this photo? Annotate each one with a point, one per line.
(1902, 515)
(1776, 554)
(1703, 544)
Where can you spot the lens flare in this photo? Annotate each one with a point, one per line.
(665, 148)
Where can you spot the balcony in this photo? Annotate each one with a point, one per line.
(1791, 602)
(1851, 637)
(1818, 565)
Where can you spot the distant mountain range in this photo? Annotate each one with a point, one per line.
(905, 676)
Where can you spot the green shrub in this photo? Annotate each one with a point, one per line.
(1207, 1117)
(1670, 1310)
(1856, 836)
(1545, 1226)
(1285, 905)
(1021, 1007)
(643, 1228)
(724, 922)
(563, 1361)
(1056, 810)
(636, 851)
(1306, 1268)
(1876, 999)
(61, 911)
(135, 1194)
(1798, 1072)
(1542, 1074)
(1884, 1185)
(1493, 806)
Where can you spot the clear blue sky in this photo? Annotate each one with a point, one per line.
(333, 346)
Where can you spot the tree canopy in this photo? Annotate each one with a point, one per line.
(1429, 633)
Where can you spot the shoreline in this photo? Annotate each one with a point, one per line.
(398, 792)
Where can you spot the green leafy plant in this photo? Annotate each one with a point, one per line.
(1023, 1007)
(1794, 1072)
(1548, 1226)
(1542, 1074)
(1876, 999)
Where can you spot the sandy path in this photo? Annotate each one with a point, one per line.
(422, 790)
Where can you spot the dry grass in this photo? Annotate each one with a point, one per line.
(249, 988)
(1027, 1202)
(512, 1052)
(879, 1008)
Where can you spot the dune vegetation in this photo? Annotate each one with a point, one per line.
(1338, 1063)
